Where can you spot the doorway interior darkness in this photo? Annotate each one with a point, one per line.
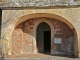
(47, 42)
(43, 38)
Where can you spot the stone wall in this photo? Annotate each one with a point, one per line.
(38, 3)
(22, 37)
(11, 17)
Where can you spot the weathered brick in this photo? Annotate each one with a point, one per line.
(22, 35)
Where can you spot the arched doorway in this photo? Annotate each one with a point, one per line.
(43, 38)
(43, 35)
(29, 17)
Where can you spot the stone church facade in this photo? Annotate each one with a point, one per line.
(52, 30)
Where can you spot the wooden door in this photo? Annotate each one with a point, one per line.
(40, 36)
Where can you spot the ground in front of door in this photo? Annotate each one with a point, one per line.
(40, 57)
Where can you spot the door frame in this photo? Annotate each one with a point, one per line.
(41, 34)
(34, 34)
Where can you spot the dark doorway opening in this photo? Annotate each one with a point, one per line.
(47, 42)
(43, 38)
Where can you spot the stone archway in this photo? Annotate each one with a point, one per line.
(24, 18)
(25, 37)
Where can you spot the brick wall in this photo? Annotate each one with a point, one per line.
(22, 38)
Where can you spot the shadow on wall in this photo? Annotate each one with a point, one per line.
(1, 55)
(22, 37)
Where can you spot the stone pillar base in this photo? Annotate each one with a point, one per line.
(79, 55)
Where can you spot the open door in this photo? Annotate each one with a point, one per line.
(47, 41)
(43, 38)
